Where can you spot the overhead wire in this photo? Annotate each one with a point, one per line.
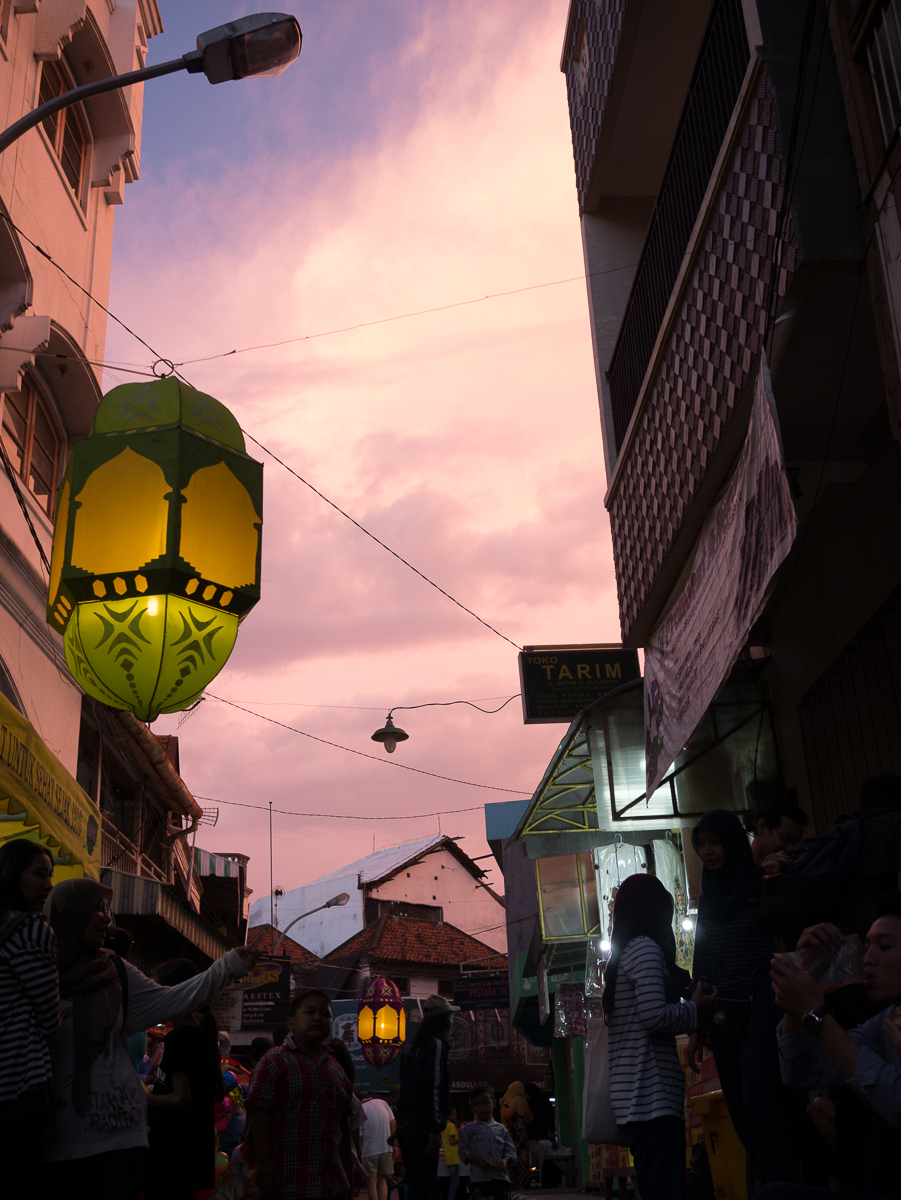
(385, 762)
(287, 812)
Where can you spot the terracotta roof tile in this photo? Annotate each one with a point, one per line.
(260, 938)
(403, 939)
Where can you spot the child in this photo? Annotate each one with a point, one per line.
(486, 1145)
(300, 1105)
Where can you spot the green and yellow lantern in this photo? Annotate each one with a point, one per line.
(156, 550)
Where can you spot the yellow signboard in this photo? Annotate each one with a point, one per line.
(40, 800)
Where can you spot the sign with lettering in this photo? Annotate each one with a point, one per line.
(470, 994)
(36, 785)
(227, 1009)
(559, 681)
(267, 994)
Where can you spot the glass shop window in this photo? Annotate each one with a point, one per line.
(65, 130)
(568, 896)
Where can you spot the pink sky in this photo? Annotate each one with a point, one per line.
(468, 439)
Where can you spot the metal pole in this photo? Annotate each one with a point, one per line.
(271, 875)
(294, 922)
(188, 62)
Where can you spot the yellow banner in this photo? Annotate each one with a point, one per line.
(40, 800)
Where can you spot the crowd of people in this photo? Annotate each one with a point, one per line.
(802, 1020)
(805, 1035)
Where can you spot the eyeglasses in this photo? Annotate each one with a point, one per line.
(104, 907)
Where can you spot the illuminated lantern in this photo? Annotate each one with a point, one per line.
(381, 1022)
(156, 549)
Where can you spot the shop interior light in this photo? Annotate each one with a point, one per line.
(605, 946)
(687, 925)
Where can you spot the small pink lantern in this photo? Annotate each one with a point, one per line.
(381, 1022)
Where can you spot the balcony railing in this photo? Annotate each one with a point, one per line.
(712, 95)
(118, 852)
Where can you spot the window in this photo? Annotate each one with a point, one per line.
(65, 129)
(31, 443)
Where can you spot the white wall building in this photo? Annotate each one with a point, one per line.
(59, 187)
(430, 879)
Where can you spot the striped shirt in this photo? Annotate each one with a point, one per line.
(29, 1002)
(646, 1077)
(731, 954)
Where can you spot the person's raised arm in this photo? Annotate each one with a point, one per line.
(150, 1003)
(797, 994)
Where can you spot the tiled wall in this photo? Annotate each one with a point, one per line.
(712, 347)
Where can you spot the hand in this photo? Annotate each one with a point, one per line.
(431, 1146)
(821, 939)
(894, 1033)
(797, 992)
(247, 956)
(704, 1001)
(480, 1161)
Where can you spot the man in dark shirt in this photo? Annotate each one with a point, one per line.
(424, 1103)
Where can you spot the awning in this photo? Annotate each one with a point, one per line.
(41, 801)
(150, 903)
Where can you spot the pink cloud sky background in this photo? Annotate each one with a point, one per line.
(468, 439)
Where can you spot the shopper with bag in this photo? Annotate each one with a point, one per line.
(644, 1011)
(733, 956)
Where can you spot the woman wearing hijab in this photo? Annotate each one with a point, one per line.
(732, 955)
(643, 1009)
(29, 1002)
(98, 1135)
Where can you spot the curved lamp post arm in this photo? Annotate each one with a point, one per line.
(335, 902)
(188, 62)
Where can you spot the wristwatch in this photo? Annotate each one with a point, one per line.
(813, 1021)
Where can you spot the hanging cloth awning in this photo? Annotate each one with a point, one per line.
(40, 800)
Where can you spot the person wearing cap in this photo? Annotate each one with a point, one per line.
(423, 1107)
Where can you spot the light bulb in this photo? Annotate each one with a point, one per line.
(153, 606)
(389, 743)
(605, 946)
(687, 925)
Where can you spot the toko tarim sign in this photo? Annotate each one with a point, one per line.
(559, 681)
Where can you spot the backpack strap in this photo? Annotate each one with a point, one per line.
(123, 981)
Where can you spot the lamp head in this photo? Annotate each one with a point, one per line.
(262, 44)
(390, 735)
(338, 901)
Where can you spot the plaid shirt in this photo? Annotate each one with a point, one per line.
(308, 1101)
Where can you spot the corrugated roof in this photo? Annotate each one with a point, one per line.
(403, 939)
(384, 862)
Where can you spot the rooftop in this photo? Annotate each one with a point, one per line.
(403, 939)
(260, 938)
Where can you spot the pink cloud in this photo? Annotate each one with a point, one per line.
(468, 439)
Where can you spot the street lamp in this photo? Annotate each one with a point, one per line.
(250, 47)
(335, 902)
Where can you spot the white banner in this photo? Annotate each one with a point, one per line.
(721, 592)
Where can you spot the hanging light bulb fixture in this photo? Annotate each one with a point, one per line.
(381, 1022)
(390, 735)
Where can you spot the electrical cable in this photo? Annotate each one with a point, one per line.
(10, 471)
(448, 703)
(386, 762)
(265, 449)
(287, 812)
(379, 541)
(358, 707)
(421, 312)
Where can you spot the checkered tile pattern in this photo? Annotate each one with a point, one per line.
(711, 350)
(602, 22)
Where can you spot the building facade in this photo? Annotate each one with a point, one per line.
(430, 879)
(736, 165)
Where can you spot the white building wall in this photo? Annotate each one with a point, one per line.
(441, 879)
(42, 313)
(324, 930)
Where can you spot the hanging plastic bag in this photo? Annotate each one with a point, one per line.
(599, 1125)
(595, 962)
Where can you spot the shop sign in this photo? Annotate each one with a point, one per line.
(559, 681)
(486, 993)
(267, 994)
(722, 590)
(36, 785)
(227, 1009)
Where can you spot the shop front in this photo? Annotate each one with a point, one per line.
(590, 825)
(40, 800)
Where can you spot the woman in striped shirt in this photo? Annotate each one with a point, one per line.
(29, 1002)
(644, 1011)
